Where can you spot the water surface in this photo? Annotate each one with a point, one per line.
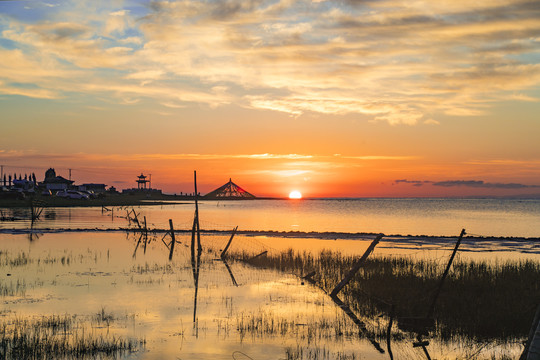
(433, 217)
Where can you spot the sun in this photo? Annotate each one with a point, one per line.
(295, 194)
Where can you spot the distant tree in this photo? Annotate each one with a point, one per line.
(5, 180)
(9, 180)
(34, 179)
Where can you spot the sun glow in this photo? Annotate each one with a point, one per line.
(295, 194)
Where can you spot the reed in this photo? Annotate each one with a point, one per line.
(13, 288)
(53, 337)
(481, 300)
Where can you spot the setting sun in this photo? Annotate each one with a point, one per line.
(295, 194)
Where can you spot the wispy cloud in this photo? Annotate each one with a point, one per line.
(15, 155)
(482, 184)
(378, 157)
(401, 63)
(466, 183)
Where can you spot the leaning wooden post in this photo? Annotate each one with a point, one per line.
(438, 291)
(172, 241)
(224, 252)
(356, 266)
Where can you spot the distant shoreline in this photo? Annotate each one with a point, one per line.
(167, 199)
(329, 235)
(109, 200)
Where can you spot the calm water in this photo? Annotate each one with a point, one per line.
(483, 217)
(233, 309)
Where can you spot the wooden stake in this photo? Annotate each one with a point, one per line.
(199, 247)
(361, 325)
(172, 241)
(224, 252)
(532, 347)
(389, 332)
(193, 234)
(230, 272)
(136, 219)
(259, 255)
(145, 235)
(438, 291)
(356, 266)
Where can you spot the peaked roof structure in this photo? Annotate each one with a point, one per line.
(229, 191)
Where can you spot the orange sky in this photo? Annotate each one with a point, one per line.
(382, 98)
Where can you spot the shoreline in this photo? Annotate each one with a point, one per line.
(284, 234)
(167, 199)
(110, 200)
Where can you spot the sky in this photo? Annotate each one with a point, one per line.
(349, 98)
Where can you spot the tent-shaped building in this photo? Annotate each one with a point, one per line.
(229, 191)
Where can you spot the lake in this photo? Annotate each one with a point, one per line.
(72, 278)
(432, 217)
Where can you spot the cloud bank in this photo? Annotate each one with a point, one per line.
(466, 183)
(393, 61)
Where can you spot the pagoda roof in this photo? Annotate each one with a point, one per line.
(229, 191)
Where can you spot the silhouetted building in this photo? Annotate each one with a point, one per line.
(53, 182)
(97, 188)
(142, 187)
(229, 191)
(141, 182)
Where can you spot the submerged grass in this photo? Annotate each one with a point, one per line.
(59, 337)
(262, 324)
(480, 300)
(14, 288)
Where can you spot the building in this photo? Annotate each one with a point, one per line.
(229, 191)
(97, 188)
(55, 183)
(142, 187)
(141, 182)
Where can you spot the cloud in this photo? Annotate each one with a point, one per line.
(413, 182)
(378, 157)
(466, 183)
(482, 184)
(400, 63)
(16, 155)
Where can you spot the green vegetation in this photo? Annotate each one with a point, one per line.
(480, 300)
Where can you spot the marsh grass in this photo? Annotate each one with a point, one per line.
(21, 259)
(317, 353)
(480, 300)
(267, 323)
(59, 337)
(154, 268)
(14, 288)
